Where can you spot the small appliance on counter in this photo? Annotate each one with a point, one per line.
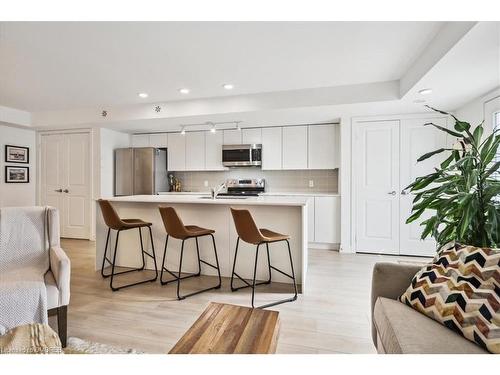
(174, 184)
(248, 187)
(141, 170)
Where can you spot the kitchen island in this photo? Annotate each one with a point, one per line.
(286, 215)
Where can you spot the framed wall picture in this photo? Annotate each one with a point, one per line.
(17, 154)
(17, 175)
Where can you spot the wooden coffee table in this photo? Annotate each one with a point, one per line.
(230, 329)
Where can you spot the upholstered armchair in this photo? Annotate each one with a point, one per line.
(57, 277)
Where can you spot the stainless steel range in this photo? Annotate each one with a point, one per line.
(244, 187)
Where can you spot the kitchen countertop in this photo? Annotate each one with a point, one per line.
(269, 193)
(201, 198)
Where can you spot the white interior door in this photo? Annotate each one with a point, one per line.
(76, 191)
(416, 140)
(65, 180)
(377, 183)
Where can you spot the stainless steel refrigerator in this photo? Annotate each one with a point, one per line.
(141, 170)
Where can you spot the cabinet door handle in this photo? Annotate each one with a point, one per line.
(392, 193)
(58, 190)
(66, 190)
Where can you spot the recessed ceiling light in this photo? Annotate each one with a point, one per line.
(228, 86)
(184, 91)
(143, 95)
(425, 91)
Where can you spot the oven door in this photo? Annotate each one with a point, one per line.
(236, 156)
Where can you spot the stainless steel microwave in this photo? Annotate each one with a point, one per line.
(242, 155)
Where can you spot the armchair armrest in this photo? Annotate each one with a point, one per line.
(61, 268)
(390, 280)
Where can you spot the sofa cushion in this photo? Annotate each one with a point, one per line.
(402, 330)
(461, 290)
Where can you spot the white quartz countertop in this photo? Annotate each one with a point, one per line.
(270, 194)
(200, 198)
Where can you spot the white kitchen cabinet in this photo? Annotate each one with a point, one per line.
(213, 151)
(310, 219)
(322, 147)
(158, 140)
(271, 149)
(251, 136)
(232, 137)
(140, 140)
(176, 152)
(195, 151)
(294, 147)
(327, 219)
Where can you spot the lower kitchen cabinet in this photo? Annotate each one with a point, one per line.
(327, 220)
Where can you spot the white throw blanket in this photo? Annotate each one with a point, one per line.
(24, 260)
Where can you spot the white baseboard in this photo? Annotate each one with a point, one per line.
(324, 246)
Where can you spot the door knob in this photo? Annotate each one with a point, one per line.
(66, 190)
(403, 192)
(58, 190)
(392, 193)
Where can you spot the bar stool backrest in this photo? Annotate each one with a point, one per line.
(109, 214)
(245, 226)
(173, 223)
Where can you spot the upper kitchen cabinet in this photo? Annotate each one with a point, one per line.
(140, 140)
(195, 151)
(251, 136)
(213, 151)
(272, 149)
(294, 147)
(176, 152)
(232, 137)
(323, 147)
(159, 140)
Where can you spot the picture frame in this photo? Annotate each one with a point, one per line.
(17, 154)
(17, 175)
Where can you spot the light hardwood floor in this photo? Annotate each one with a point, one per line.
(332, 317)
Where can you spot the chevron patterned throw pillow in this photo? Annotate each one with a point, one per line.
(461, 290)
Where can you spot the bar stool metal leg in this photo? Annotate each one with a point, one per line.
(178, 277)
(113, 263)
(247, 284)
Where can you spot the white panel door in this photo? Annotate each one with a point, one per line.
(176, 152)
(271, 149)
(213, 151)
(158, 140)
(322, 147)
(416, 140)
(327, 219)
(376, 170)
(76, 190)
(53, 171)
(232, 137)
(294, 147)
(65, 180)
(195, 151)
(140, 140)
(251, 136)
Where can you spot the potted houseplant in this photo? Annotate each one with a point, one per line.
(463, 192)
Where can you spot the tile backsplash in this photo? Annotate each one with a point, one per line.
(325, 181)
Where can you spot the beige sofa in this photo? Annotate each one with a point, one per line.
(399, 329)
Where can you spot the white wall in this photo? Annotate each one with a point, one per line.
(18, 194)
(480, 109)
(109, 141)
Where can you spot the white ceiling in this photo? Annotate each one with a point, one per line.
(55, 66)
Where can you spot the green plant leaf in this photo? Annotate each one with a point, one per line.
(429, 154)
(442, 128)
(462, 126)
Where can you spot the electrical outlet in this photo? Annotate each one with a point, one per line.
(311, 183)
(205, 183)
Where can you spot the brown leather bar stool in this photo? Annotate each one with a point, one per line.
(113, 221)
(247, 230)
(176, 229)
